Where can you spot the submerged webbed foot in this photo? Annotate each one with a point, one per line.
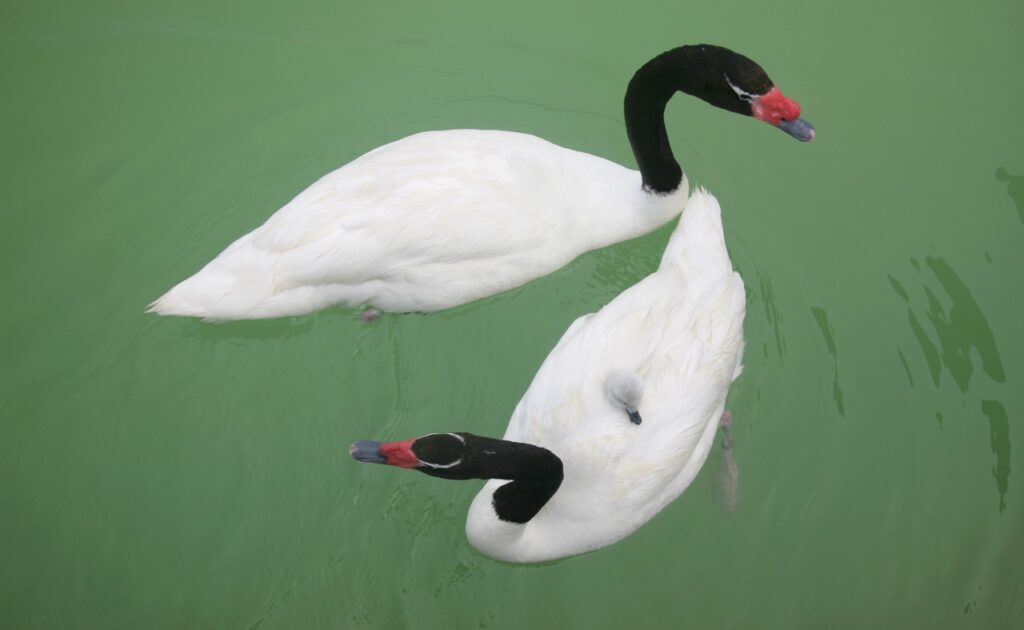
(369, 315)
(727, 477)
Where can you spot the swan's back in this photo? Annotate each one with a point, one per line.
(680, 330)
(425, 223)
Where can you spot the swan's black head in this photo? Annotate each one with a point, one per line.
(747, 90)
(534, 473)
(721, 77)
(440, 454)
(727, 80)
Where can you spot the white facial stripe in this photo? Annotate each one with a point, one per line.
(451, 465)
(454, 435)
(746, 96)
(442, 466)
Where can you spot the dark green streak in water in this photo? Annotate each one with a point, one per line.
(906, 366)
(1015, 188)
(959, 330)
(966, 327)
(898, 288)
(953, 355)
(999, 429)
(931, 353)
(771, 311)
(821, 317)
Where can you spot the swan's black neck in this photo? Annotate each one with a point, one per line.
(646, 97)
(700, 71)
(535, 473)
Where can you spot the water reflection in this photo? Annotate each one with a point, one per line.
(821, 317)
(727, 477)
(958, 325)
(1015, 189)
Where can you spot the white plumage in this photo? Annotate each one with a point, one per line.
(680, 330)
(442, 218)
(431, 221)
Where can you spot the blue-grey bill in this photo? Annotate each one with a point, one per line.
(367, 451)
(799, 129)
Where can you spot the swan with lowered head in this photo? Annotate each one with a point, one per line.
(619, 418)
(442, 218)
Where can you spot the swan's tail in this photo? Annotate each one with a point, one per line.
(190, 298)
(202, 295)
(228, 288)
(697, 246)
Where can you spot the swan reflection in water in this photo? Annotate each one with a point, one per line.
(727, 477)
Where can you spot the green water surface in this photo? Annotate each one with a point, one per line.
(166, 473)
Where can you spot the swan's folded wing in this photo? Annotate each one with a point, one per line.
(391, 211)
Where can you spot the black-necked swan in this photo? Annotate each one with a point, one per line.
(619, 418)
(442, 218)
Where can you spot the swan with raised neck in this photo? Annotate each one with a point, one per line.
(619, 418)
(443, 218)
(717, 75)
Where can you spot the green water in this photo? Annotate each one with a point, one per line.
(164, 473)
